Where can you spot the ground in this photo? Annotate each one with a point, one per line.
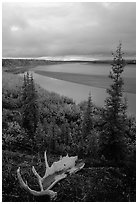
(91, 184)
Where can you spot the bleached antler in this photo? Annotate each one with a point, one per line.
(51, 193)
(53, 174)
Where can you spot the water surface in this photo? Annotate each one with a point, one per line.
(80, 92)
(87, 68)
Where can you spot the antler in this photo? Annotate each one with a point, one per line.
(51, 193)
(53, 174)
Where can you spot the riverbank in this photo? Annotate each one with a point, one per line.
(98, 81)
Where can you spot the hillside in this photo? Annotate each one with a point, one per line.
(59, 131)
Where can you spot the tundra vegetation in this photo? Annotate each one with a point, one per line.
(35, 120)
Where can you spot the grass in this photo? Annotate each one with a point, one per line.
(90, 80)
(11, 81)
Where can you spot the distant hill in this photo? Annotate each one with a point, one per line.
(22, 62)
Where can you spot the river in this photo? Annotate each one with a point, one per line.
(80, 92)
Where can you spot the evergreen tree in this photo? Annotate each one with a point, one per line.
(87, 124)
(112, 142)
(93, 144)
(52, 136)
(30, 115)
(40, 139)
(87, 127)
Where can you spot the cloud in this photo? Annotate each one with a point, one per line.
(43, 29)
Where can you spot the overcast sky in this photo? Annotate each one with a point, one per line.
(55, 29)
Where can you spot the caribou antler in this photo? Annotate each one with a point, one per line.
(58, 171)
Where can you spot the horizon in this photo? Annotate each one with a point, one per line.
(70, 58)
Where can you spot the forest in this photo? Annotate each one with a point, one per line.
(35, 120)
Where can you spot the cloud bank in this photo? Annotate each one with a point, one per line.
(56, 29)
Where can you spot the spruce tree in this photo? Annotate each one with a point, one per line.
(87, 127)
(112, 142)
(30, 114)
(87, 124)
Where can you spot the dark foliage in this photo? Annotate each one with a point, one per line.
(30, 115)
(113, 145)
(87, 124)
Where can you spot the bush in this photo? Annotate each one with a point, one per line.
(15, 138)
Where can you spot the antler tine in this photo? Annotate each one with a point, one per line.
(20, 179)
(38, 178)
(46, 162)
(47, 165)
(51, 193)
(35, 173)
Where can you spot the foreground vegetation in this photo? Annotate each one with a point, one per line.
(35, 120)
